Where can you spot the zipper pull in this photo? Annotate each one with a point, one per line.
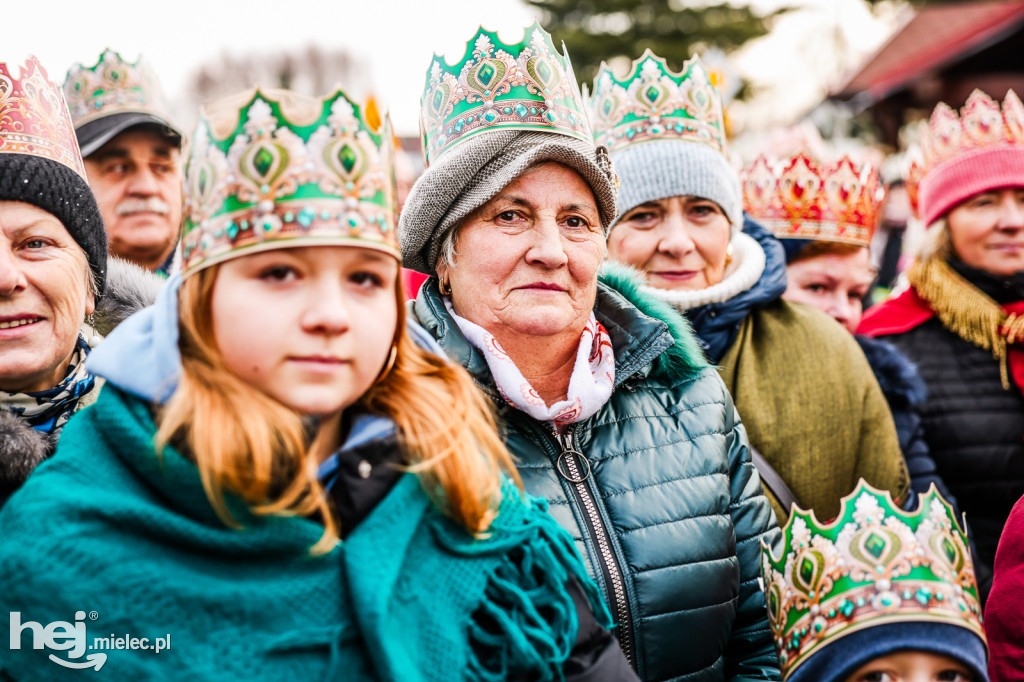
(571, 464)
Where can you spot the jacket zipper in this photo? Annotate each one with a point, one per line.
(576, 470)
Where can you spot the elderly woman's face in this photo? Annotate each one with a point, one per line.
(44, 297)
(527, 260)
(678, 243)
(987, 231)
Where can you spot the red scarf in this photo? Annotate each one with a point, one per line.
(908, 310)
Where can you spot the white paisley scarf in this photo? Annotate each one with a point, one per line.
(590, 386)
(49, 410)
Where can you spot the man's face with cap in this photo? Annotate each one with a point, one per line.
(136, 178)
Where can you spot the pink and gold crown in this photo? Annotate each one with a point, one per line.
(112, 86)
(874, 564)
(34, 118)
(497, 85)
(287, 170)
(993, 138)
(653, 103)
(800, 199)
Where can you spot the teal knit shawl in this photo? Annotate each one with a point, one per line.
(108, 529)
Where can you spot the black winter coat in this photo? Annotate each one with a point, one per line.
(974, 427)
(905, 392)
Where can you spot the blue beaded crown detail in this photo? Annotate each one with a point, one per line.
(499, 86)
(874, 564)
(653, 103)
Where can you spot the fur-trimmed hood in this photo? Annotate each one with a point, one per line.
(22, 448)
(895, 373)
(129, 289)
(685, 357)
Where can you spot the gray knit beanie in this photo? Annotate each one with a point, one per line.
(476, 170)
(671, 168)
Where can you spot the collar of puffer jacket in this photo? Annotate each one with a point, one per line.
(648, 336)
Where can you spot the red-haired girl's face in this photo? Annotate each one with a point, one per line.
(309, 326)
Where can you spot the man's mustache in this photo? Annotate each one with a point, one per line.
(148, 205)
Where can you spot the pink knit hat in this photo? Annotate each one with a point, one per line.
(981, 150)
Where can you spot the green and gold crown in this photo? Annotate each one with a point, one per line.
(496, 86)
(653, 103)
(111, 86)
(874, 564)
(287, 170)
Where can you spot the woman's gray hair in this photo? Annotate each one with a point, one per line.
(447, 254)
(936, 243)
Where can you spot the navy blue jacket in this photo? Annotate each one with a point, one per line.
(716, 324)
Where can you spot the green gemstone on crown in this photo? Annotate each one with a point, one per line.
(486, 75)
(875, 545)
(262, 161)
(807, 570)
(545, 71)
(652, 93)
(347, 157)
(949, 550)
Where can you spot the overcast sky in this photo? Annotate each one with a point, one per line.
(396, 37)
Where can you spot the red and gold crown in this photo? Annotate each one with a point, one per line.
(34, 118)
(801, 199)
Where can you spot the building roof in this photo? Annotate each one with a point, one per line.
(936, 36)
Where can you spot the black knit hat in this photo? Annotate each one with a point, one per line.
(60, 191)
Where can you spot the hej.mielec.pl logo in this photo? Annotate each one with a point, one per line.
(73, 639)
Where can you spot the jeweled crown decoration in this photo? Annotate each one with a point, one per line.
(980, 124)
(653, 103)
(34, 118)
(800, 198)
(113, 85)
(498, 86)
(275, 179)
(874, 564)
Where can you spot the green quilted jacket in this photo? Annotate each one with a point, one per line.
(657, 489)
(111, 539)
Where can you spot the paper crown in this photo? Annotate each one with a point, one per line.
(497, 86)
(653, 103)
(874, 565)
(288, 171)
(34, 118)
(112, 86)
(801, 199)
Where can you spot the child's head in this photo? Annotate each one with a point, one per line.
(289, 247)
(877, 595)
(291, 311)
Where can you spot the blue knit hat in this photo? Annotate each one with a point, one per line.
(839, 659)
